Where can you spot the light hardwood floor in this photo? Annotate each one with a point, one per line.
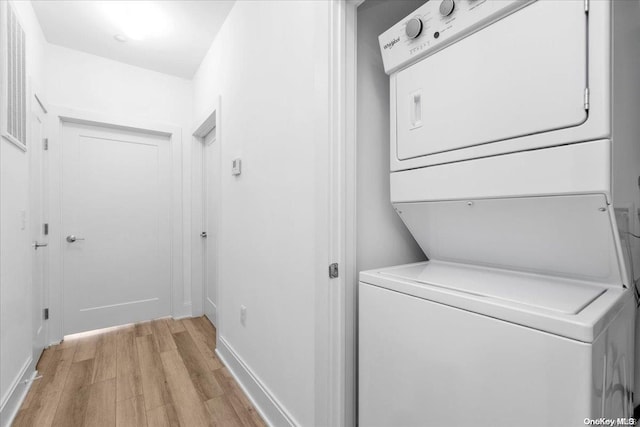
(159, 373)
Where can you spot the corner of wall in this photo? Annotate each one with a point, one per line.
(19, 390)
(271, 410)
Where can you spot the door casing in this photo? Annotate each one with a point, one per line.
(210, 198)
(38, 217)
(207, 135)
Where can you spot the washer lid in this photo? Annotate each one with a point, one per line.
(560, 295)
(575, 309)
(573, 236)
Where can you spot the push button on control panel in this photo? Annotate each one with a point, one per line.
(413, 28)
(446, 7)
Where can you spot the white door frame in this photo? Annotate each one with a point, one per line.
(350, 222)
(37, 109)
(343, 334)
(205, 125)
(58, 117)
(342, 297)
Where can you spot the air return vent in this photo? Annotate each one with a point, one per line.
(14, 109)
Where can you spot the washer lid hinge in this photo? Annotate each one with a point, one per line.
(586, 98)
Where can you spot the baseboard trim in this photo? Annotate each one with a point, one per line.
(267, 405)
(19, 391)
(213, 309)
(184, 313)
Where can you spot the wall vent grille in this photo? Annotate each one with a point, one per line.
(15, 86)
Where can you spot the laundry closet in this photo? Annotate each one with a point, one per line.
(513, 162)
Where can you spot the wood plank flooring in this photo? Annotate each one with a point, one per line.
(159, 373)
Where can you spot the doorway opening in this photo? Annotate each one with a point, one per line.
(38, 190)
(206, 228)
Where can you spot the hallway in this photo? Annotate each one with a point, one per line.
(158, 373)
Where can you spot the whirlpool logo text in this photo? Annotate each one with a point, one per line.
(391, 43)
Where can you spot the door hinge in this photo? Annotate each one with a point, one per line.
(45, 144)
(45, 229)
(586, 98)
(333, 270)
(586, 6)
(203, 234)
(46, 314)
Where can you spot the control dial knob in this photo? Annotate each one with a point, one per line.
(446, 7)
(413, 28)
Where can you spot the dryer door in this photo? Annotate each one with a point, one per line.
(522, 75)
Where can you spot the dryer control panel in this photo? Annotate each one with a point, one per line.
(437, 24)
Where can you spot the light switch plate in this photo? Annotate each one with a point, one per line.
(236, 166)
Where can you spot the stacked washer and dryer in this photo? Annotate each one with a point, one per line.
(515, 157)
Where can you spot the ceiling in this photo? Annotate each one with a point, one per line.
(87, 26)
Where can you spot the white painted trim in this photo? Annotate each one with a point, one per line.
(212, 122)
(179, 252)
(350, 213)
(19, 389)
(341, 309)
(72, 115)
(271, 410)
(214, 310)
(185, 316)
(14, 141)
(197, 252)
(327, 292)
(41, 114)
(41, 103)
(335, 310)
(206, 126)
(187, 308)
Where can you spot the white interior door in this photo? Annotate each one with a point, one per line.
(116, 226)
(39, 238)
(210, 185)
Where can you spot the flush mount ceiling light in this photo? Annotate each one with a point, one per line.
(137, 20)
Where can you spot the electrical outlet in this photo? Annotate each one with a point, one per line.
(243, 315)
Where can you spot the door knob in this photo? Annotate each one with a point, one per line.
(71, 238)
(37, 245)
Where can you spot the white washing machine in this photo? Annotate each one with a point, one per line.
(515, 157)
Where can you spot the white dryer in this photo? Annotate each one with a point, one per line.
(514, 157)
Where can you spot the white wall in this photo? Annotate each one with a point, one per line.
(15, 252)
(383, 240)
(85, 82)
(269, 66)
